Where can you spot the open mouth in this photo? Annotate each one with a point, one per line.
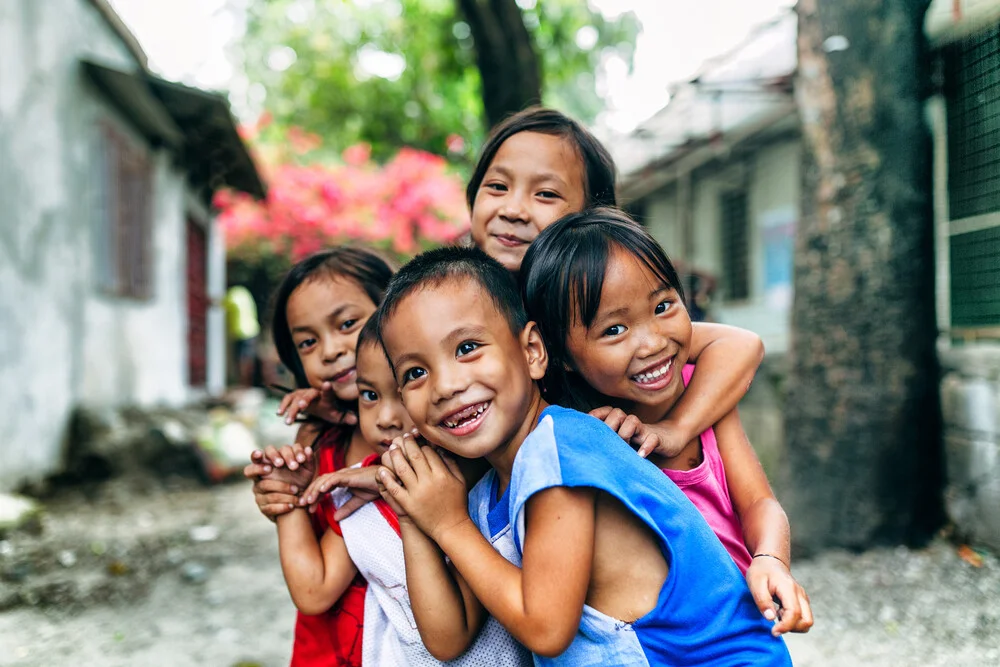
(656, 377)
(466, 420)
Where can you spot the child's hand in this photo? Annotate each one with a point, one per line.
(296, 463)
(274, 492)
(426, 487)
(770, 579)
(649, 438)
(321, 403)
(362, 482)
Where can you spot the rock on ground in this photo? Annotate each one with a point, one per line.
(180, 575)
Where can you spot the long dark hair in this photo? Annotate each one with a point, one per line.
(599, 167)
(364, 266)
(561, 279)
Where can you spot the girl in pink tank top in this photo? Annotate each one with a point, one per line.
(619, 345)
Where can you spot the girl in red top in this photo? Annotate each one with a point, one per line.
(320, 308)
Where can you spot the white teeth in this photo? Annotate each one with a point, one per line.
(659, 372)
(479, 410)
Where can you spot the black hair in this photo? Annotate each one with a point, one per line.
(436, 266)
(561, 280)
(599, 166)
(364, 266)
(369, 333)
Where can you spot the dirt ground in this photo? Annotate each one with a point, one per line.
(141, 573)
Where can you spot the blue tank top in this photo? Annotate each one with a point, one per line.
(705, 614)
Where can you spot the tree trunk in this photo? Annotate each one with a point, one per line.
(505, 56)
(862, 419)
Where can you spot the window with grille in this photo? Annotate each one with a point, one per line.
(972, 93)
(735, 239)
(126, 208)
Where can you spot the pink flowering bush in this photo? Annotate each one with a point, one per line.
(411, 202)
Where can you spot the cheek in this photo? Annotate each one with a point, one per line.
(346, 392)
(366, 422)
(549, 215)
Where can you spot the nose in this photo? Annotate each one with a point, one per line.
(333, 348)
(652, 341)
(515, 207)
(390, 416)
(448, 382)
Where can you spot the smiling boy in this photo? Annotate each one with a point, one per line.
(565, 500)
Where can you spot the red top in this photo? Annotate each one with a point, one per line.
(333, 638)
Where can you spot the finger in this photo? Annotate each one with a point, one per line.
(276, 509)
(255, 471)
(293, 411)
(648, 444)
(762, 597)
(806, 615)
(615, 418)
(287, 454)
(275, 486)
(790, 613)
(299, 451)
(355, 503)
(394, 492)
(630, 426)
(416, 456)
(452, 465)
(276, 499)
(286, 400)
(400, 466)
(602, 412)
(256, 456)
(271, 452)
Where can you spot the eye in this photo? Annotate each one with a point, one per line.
(497, 187)
(549, 194)
(308, 342)
(615, 330)
(414, 373)
(663, 306)
(347, 324)
(368, 395)
(466, 347)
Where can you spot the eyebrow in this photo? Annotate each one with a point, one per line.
(537, 178)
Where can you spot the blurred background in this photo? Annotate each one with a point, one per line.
(825, 174)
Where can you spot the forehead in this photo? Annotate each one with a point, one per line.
(326, 291)
(627, 276)
(372, 364)
(434, 310)
(536, 152)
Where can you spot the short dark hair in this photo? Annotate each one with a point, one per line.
(369, 333)
(599, 167)
(370, 270)
(436, 266)
(562, 277)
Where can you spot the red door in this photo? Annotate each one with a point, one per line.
(197, 298)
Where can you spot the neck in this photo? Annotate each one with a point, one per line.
(647, 414)
(502, 458)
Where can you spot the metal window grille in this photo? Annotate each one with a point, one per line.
(735, 238)
(972, 91)
(127, 207)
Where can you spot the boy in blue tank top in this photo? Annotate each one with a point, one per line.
(585, 552)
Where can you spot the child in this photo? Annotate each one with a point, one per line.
(536, 167)
(377, 541)
(320, 307)
(611, 311)
(566, 496)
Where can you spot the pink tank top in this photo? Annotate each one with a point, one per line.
(706, 487)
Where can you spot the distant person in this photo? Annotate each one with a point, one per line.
(242, 328)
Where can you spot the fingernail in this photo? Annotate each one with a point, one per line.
(302, 404)
(295, 489)
(300, 458)
(278, 462)
(267, 468)
(769, 614)
(393, 446)
(288, 420)
(292, 465)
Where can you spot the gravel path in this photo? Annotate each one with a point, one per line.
(142, 589)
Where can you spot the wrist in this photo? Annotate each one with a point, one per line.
(768, 556)
(453, 532)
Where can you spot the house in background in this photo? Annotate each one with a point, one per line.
(716, 177)
(111, 264)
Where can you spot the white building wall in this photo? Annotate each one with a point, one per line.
(62, 342)
(771, 179)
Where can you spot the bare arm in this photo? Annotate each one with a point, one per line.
(765, 529)
(317, 572)
(540, 603)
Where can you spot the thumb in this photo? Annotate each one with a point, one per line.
(602, 412)
(762, 597)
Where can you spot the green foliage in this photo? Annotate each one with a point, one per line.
(330, 88)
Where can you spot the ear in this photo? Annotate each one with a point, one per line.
(534, 351)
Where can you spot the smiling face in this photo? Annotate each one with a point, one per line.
(638, 343)
(466, 380)
(381, 414)
(325, 315)
(533, 180)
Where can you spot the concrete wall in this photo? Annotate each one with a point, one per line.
(63, 342)
(970, 404)
(771, 179)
